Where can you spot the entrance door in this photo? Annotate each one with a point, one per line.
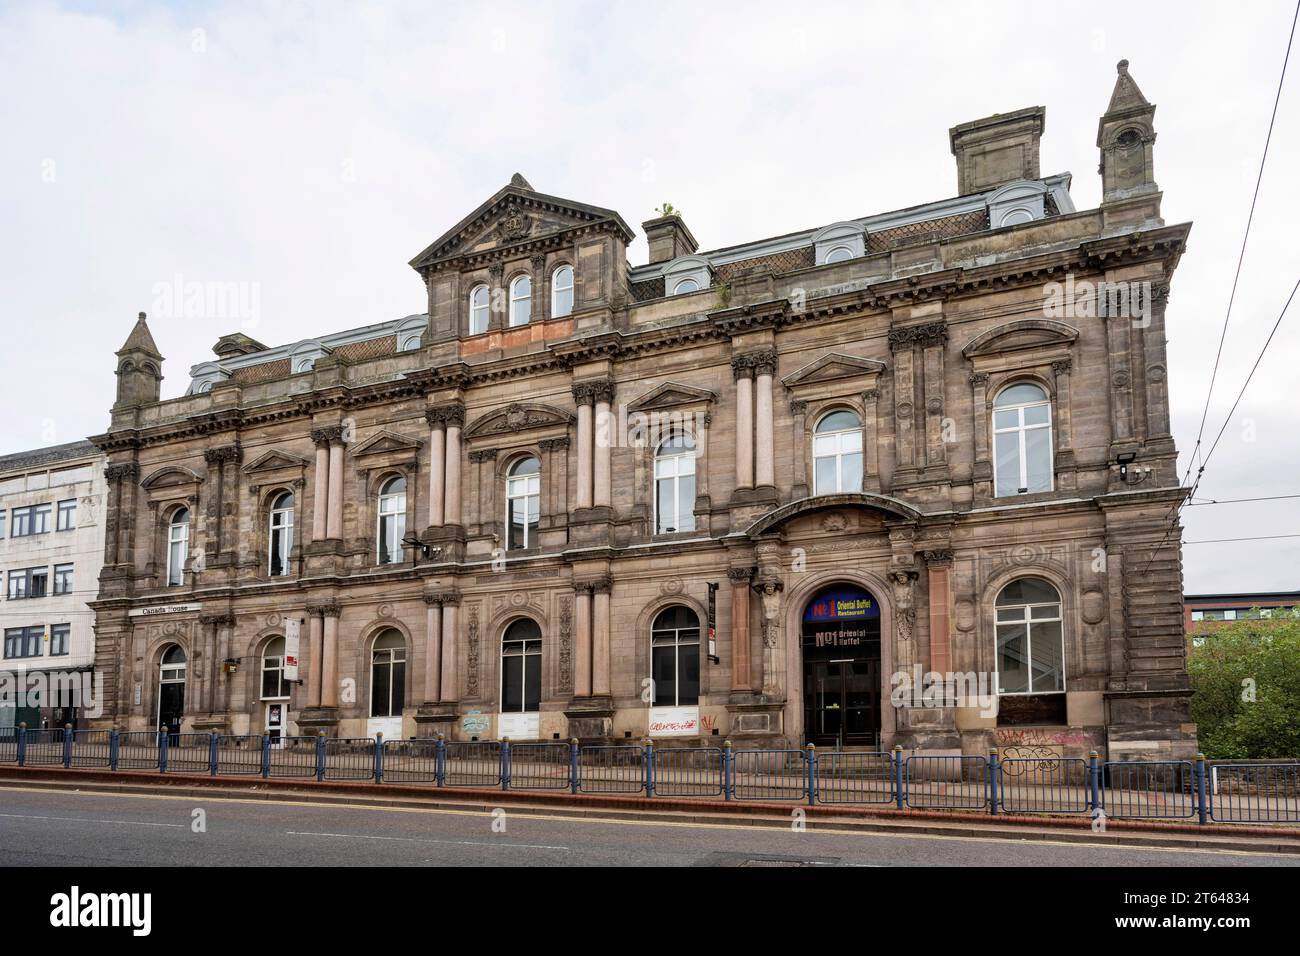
(171, 689)
(841, 678)
(842, 700)
(275, 722)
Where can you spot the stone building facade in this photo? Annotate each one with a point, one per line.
(756, 493)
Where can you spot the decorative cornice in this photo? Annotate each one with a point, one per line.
(126, 469)
(327, 435)
(223, 453)
(902, 338)
(593, 391)
(446, 416)
(740, 575)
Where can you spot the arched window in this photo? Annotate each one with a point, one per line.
(392, 521)
(523, 502)
(675, 485)
(521, 667)
(521, 300)
(1022, 440)
(675, 657)
(1030, 645)
(280, 534)
(561, 291)
(274, 686)
(839, 254)
(479, 300)
(686, 285)
(178, 542)
(410, 344)
(388, 675)
(837, 453)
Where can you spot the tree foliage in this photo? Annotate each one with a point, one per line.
(1246, 683)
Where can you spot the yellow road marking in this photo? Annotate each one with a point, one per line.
(317, 804)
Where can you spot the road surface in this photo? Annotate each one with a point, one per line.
(62, 828)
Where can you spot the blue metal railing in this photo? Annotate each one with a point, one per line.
(1227, 792)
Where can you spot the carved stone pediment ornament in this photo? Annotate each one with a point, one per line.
(514, 224)
(517, 417)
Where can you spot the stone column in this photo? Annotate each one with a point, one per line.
(450, 685)
(1061, 370)
(437, 469)
(432, 647)
(799, 419)
(764, 463)
(702, 456)
(934, 340)
(603, 441)
(315, 648)
(743, 372)
(329, 672)
(583, 396)
(870, 442)
(938, 568)
(320, 492)
(225, 629)
(582, 664)
(979, 384)
(600, 651)
(900, 342)
(334, 514)
(455, 418)
(740, 649)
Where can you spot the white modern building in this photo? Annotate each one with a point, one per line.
(52, 512)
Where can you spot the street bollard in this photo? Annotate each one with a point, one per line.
(811, 760)
(379, 758)
(648, 760)
(728, 768)
(899, 795)
(320, 756)
(505, 763)
(574, 779)
(1094, 782)
(440, 761)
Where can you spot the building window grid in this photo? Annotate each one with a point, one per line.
(675, 657)
(562, 292)
(388, 675)
(60, 640)
(523, 503)
(1022, 441)
(274, 686)
(674, 498)
(66, 519)
(23, 642)
(30, 520)
(63, 578)
(521, 301)
(27, 583)
(178, 538)
(480, 299)
(280, 535)
(1031, 633)
(391, 521)
(521, 668)
(837, 453)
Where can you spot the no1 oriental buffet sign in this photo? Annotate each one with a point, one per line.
(841, 608)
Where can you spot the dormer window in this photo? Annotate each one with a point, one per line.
(478, 310)
(839, 254)
(521, 301)
(562, 292)
(685, 286)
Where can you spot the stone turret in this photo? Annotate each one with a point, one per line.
(139, 368)
(1126, 136)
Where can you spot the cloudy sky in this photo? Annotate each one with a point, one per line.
(308, 151)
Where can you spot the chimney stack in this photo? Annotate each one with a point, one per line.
(997, 149)
(669, 238)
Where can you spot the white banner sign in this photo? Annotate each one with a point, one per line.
(674, 721)
(292, 639)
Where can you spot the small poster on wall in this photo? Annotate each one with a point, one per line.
(292, 640)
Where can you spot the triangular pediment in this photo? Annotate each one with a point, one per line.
(518, 417)
(516, 213)
(669, 395)
(831, 367)
(1019, 335)
(274, 460)
(385, 442)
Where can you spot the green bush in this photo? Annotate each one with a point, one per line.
(1246, 684)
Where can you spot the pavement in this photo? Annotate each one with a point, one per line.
(59, 822)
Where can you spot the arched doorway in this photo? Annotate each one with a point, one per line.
(840, 643)
(171, 689)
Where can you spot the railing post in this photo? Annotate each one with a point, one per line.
(320, 757)
(67, 746)
(899, 795)
(505, 763)
(22, 744)
(214, 752)
(728, 766)
(1202, 807)
(379, 757)
(114, 747)
(649, 761)
(266, 756)
(994, 772)
(162, 751)
(440, 762)
(1094, 781)
(811, 759)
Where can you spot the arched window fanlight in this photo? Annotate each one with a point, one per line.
(675, 485)
(178, 540)
(392, 521)
(837, 453)
(523, 503)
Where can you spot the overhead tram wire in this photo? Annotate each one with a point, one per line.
(1200, 473)
(1241, 255)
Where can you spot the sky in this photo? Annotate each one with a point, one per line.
(306, 152)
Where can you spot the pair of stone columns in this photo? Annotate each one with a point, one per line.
(445, 425)
(323, 652)
(755, 459)
(596, 436)
(441, 680)
(327, 506)
(591, 617)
